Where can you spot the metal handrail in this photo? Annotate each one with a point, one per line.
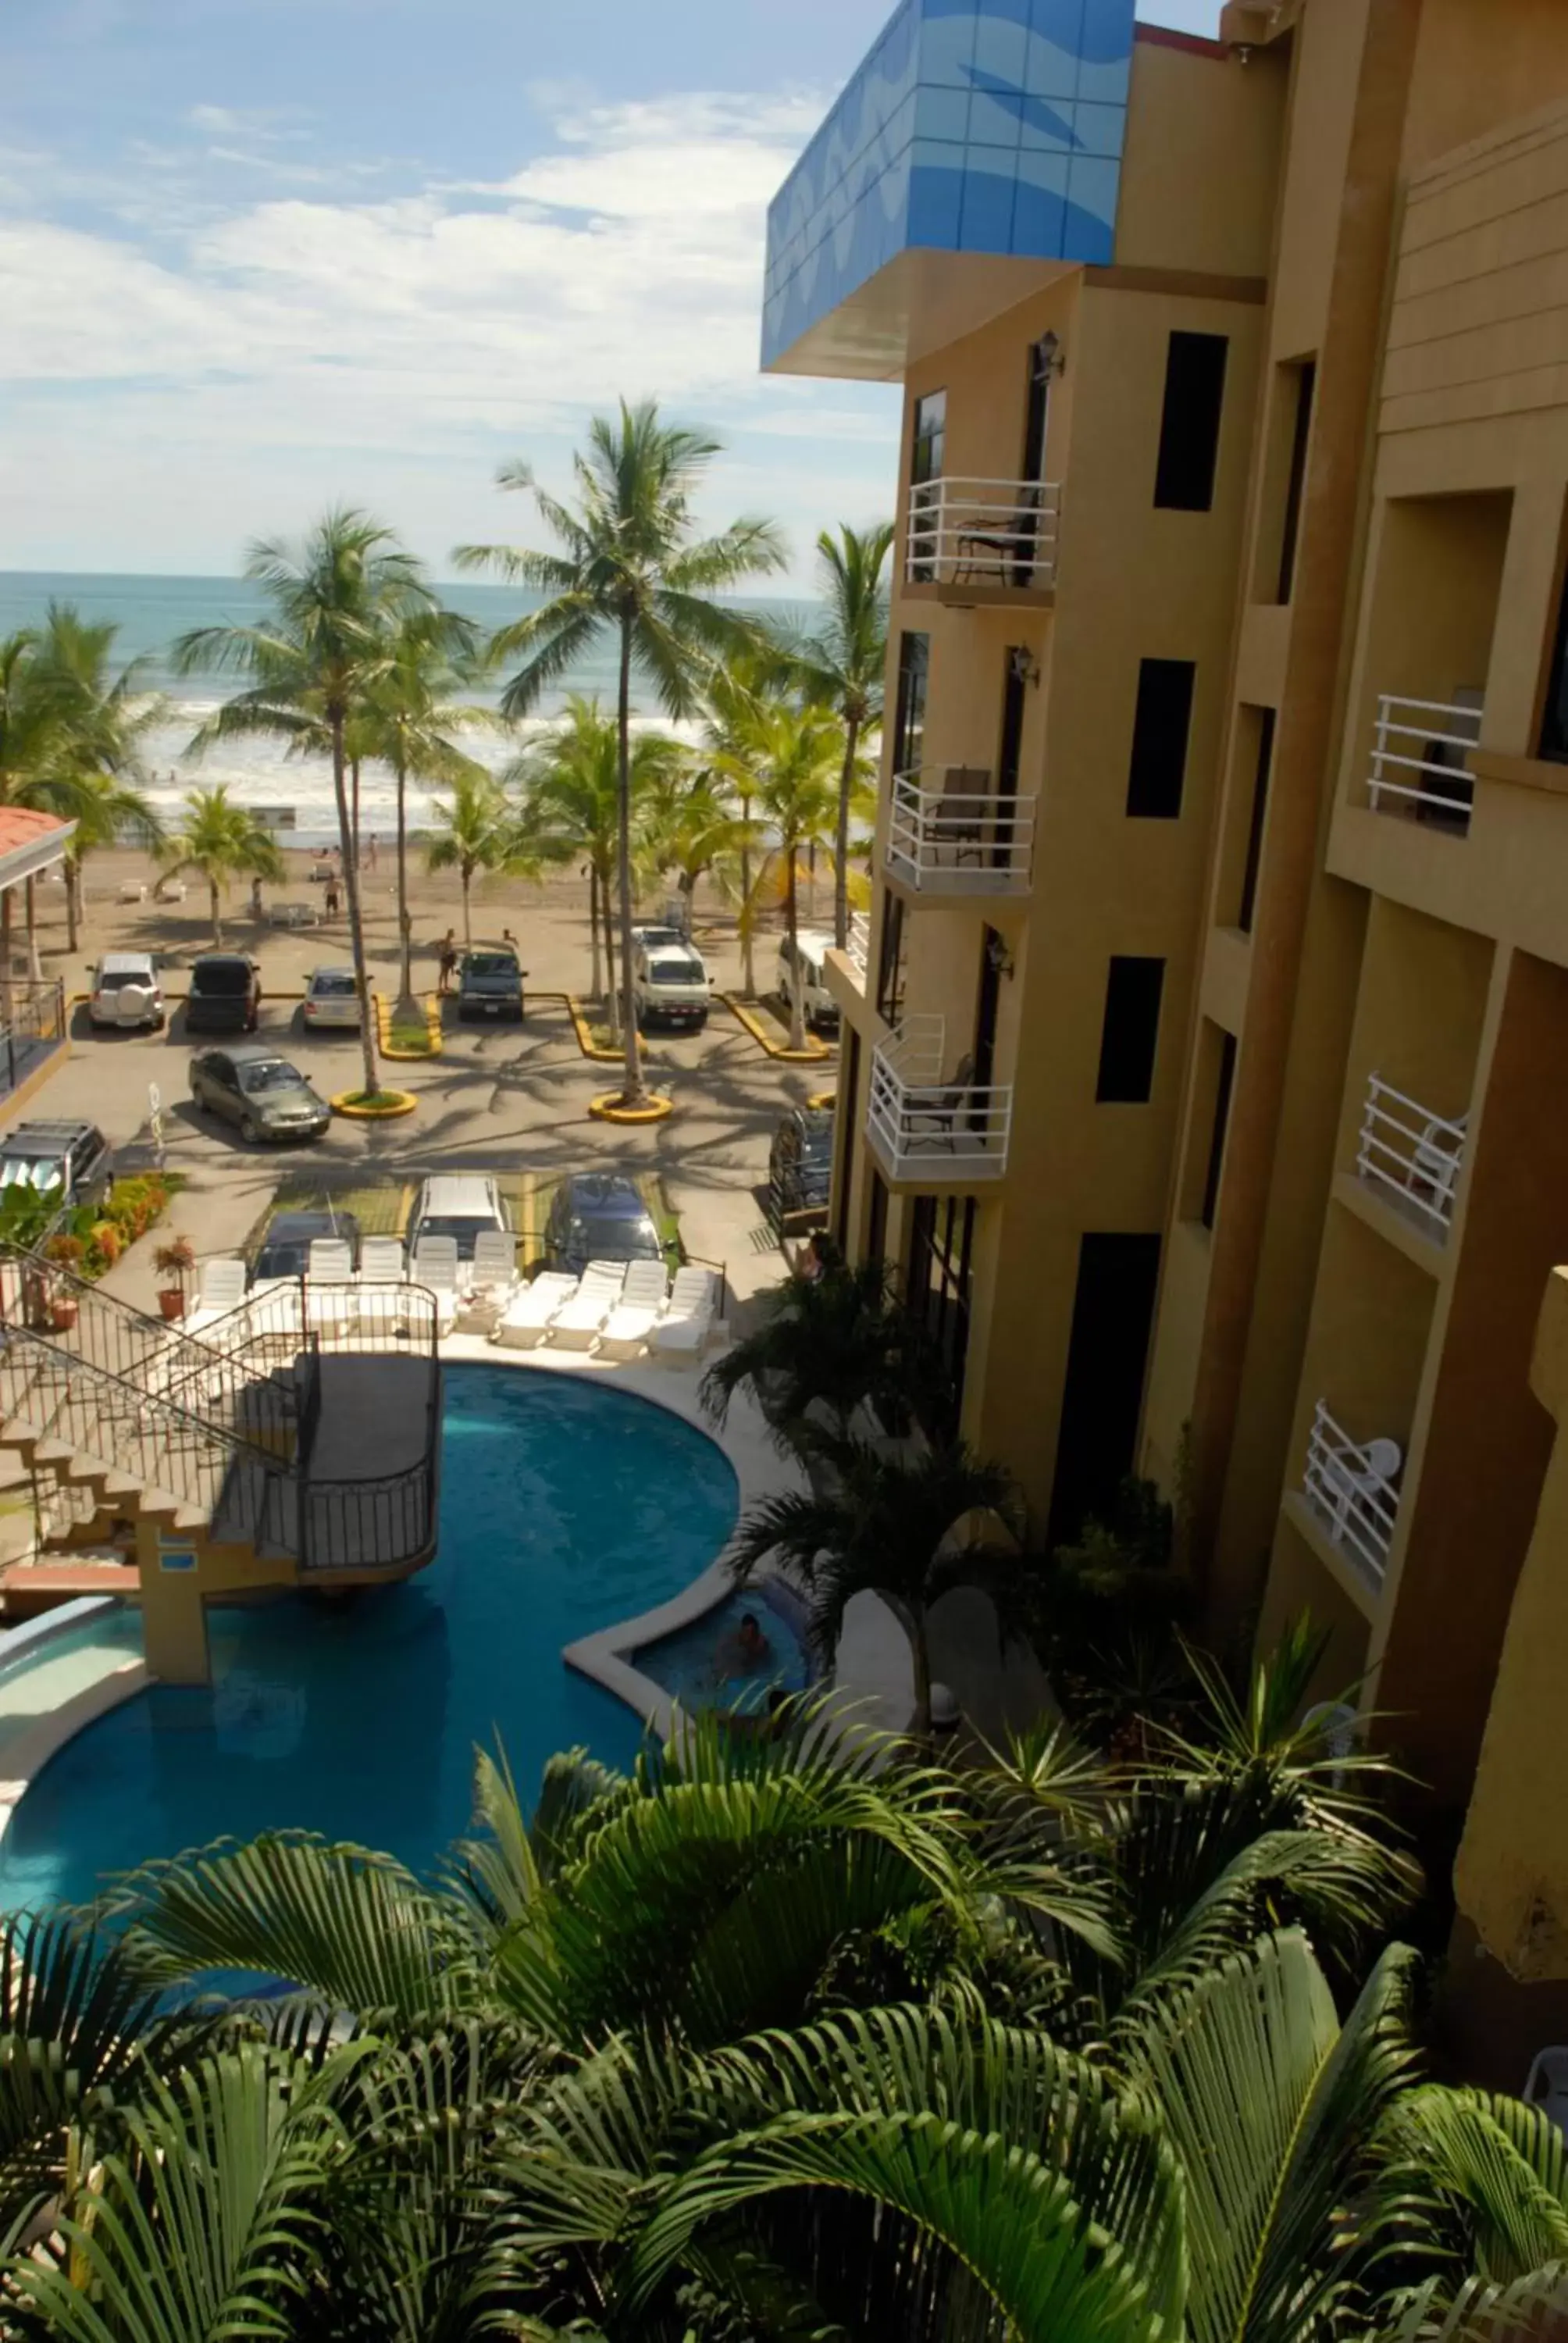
(1437, 787)
(931, 831)
(965, 527)
(858, 944)
(1419, 1162)
(1358, 1504)
(911, 1110)
(33, 1015)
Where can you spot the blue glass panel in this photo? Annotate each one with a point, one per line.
(941, 114)
(936, 198)
(985, 224)
(999, 49)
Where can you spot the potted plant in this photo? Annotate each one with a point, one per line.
(172, 1261)
(67, 1252)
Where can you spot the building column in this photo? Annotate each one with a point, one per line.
(173, 1613)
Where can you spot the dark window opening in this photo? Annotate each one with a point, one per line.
(1306, 385)
(849, 1113)
(941, 1244)
(1217, 1135)
(877, 1220)
(891, 964)
(1161, 726)
(1037, 414)
(1106, 1354)
(1190, 426)
(1009, 750)
(928, 453)
(909, 704)
(1554, 721)
(1131, 1031)
(1255, 824)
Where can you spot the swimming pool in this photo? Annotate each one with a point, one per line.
(566, 1505)
(706, 1666)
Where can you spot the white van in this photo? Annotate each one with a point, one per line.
(801, 964)
(669, 986)
(125, 992)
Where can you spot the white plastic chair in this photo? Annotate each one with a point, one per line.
(379, 1291)
(1546, 2085)
(525, 1321)
(577, 1322)
(222, 1290)
(682, 1333)
(1436, 1160)
(381, 1261)
(639, 1311)
(436, 1266)
(493, 1277)
(329, 1284)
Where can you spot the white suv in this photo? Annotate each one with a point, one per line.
(457, 1204)
(669, 986)
(126, 994)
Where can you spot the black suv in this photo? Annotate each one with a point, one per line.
(69, 1158)
(800, 1161)
(490, 984)
(224, 994)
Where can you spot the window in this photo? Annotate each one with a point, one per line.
(1106, 1354)
(1130, 1032)
(1160, 729)
(1255, 825)
(1189, 427)
(910, 706)
(1306, 382)
(928, 451)
(941, 1241)
(849, 1112)
(1217, 1134)
(1554, 721)
(877, 1220)
(891, 966)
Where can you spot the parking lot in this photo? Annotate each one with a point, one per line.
(500, 1098)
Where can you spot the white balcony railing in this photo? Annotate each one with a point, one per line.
(857, 945)
(1421, 758)
(1411, 1156)
(1352, 1489)
(951, 832)
(982, 532)
(923, 1122)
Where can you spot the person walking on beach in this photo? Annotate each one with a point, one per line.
(332, 899)
(256, 898)
(449, 959)
(370, 849)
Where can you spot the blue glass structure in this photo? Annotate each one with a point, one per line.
(973, 126)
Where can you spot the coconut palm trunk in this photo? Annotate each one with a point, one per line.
(405, 919)
(747, 978)
(353, 856)
(596, 983)
(612, 991)
(632, 1093)
(467, 869)
(841, 841)
(791, 907)
(73, 902)
(215, 895)
(351, 891)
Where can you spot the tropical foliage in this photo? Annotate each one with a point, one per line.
(842, 666)
(474, 831)
(221, 841)
(631, 565)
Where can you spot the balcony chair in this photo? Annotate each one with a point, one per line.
(1546, 2085)
(1434, 1172)
(1447, 774)
(961, 818)
(934, 1123)
(996, 552)
(1356, 1485)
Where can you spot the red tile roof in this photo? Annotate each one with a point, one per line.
(20, 826)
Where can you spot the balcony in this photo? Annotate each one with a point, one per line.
(929, 1130)
(1420, 761)
(959, 836)
(972, 541)
(1410, 1157)
(32, 1031)
(1353, 1494)
(857, 945)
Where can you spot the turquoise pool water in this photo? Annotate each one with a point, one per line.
(565, 1506)
(706, 1665)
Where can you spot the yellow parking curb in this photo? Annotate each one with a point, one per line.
(812, 1055)
(389, 1049)
(398, 1103)
(823, 1098)
(606, 1108)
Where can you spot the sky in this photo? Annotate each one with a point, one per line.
(260, 256)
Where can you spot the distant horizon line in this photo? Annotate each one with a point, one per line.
(233, 578)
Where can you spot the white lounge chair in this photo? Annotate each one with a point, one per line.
(639, 1311)
(379, 1290)
(683, 1330)
(436, 1266)
(525, 1320)
(328, 1284)
(493, 1278)
(577, 1322)
(221, 1290)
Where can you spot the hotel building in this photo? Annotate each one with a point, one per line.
(1203, 1055)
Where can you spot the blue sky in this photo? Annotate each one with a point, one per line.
(259, 256)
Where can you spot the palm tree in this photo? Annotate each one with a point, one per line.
(220, 841)
(842, 666)
(790, 756)
(738, 697)
(826, 1348)
(410, 721)
(107, 810)
(337, 600)
(887, 1527)
(634, 567)
(477, 832)
(691, 831)
(570, 808)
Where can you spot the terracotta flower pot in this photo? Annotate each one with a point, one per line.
(172, 1301)
(63, 1313)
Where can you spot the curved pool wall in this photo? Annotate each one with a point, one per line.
(360, 1719)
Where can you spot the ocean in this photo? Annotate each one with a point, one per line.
(151, 613)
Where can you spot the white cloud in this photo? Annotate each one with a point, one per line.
(408, 341)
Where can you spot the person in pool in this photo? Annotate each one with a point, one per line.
(745, 1652)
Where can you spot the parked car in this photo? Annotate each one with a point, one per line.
(224, 994)
(599, 1216)
(332, 999)
(126, 993)
(490, 984)
(800, 971)
(286, 1240)
(261, 1092)
(801, 1160)
(670, 986)
(73, 1158)
(459, 1204)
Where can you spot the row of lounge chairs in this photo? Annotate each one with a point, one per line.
(615, 1308)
